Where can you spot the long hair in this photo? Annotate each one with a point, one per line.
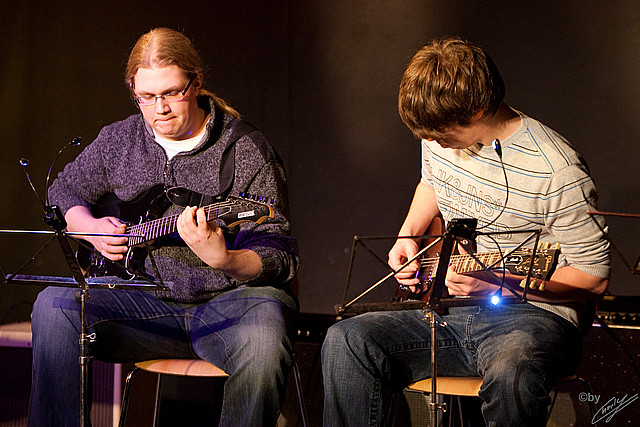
(446, 83)
(162, 47)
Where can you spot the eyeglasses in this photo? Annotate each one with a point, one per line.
(175, 96)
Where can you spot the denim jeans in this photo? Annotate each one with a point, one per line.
(246, 331)
(520, 350)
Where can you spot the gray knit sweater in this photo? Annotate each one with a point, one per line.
(125, 160)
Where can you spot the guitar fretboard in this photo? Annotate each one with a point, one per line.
(465, 263)
(166, 225)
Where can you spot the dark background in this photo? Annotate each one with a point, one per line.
(320, 79)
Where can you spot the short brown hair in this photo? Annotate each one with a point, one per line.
(446, 83)
(162, 47)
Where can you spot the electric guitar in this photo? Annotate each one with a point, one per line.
(518, 262)
(147, 225)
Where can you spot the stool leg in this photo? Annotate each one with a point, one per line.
(297, 379)
(125, 397)
(156, 413)
(586, 386)
(554, 391)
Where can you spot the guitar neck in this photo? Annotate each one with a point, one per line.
(465, 263)
(151, 230)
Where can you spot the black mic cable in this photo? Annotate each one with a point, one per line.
(75, 141)
(52, 215)
(24, 162)
(495, 144)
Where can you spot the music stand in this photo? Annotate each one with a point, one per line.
(83, 284)
(457, 230)
(633, 269)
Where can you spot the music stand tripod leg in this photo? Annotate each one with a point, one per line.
(82, 295)
(457, 228)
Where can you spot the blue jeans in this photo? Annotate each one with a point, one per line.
(520, 350)
(246, 331)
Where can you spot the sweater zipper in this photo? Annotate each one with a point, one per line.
(164, 174)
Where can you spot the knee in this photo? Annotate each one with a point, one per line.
(347, 339)
(335, 341)
(49, 312)
(267, 353)
(518, 377)
(55, 330)
(515, 393)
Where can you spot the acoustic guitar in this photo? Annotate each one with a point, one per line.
(542, 265)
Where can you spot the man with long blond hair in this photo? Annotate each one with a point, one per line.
(229, 300)
(483, 160)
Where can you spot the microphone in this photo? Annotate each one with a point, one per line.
(24, 162)
(495, 144)
(75, 141)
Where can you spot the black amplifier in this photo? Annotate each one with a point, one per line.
(618, 311)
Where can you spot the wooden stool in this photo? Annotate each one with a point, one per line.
(470, 386)
(180, 367)
(451, 386)
(188, 368)
(16, 335)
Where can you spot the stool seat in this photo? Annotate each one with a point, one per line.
(470, 386)
(188, 368)
(454, 386)
(16, 335)
(182, 367)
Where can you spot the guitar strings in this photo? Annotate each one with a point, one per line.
(166, 225)
(466, 261)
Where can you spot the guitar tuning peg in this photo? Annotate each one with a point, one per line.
(533, 284)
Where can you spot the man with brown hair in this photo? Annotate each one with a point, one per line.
(481, 159)
(229, 301)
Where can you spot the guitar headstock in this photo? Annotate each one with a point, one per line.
(542, 266)
(247, 208)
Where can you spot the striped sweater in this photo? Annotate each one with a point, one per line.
(549, 188)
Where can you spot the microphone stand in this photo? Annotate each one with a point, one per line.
(53, 218)
(460, 228)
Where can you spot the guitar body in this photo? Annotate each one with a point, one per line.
(149, 205)
(426, 276)
(149, 226)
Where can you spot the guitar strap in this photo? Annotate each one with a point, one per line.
(184, 197)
